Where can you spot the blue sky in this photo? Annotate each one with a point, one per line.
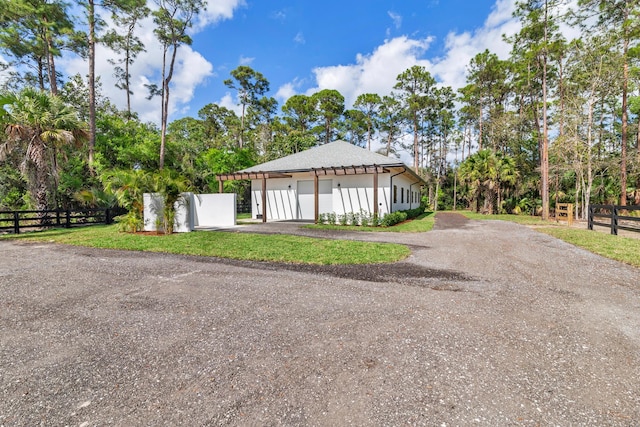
(354, 46)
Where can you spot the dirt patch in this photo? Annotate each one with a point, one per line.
(450, 220)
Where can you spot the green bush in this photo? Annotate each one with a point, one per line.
(414, 213)
(393, 218)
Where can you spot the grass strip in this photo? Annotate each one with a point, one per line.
(243, 246)
(420, 224)
(624, 249)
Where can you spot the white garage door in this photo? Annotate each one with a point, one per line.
(306, 202)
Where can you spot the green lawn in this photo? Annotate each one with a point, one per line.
(625, 249)
(244, 246)
(419, 225)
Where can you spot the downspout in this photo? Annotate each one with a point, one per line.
(391, 187)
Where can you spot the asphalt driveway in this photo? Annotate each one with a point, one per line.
(487, 323)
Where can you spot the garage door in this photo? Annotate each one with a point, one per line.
(306, 209)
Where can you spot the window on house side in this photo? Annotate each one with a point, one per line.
(395, 194)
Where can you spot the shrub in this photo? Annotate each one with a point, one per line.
(376, 221)
(351, 218)
(331, 218)
(365, 218)
(414, 213)
(129, 222)
(343, 219)
(393, 218)
(322, 218)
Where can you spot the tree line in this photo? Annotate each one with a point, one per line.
(556, 121)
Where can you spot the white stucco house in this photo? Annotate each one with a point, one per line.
(337, 177)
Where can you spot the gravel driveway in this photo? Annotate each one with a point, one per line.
(486, 323)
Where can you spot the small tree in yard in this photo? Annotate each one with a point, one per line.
(170, 186)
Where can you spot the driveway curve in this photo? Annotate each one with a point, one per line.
(486, 323)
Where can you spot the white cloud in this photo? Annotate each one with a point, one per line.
(244, 60)
(374, 73)
(279, 15)
(227, 101)
(299, 38)
(216, 11)
(396, 18)
(451, 69)
(285, 92)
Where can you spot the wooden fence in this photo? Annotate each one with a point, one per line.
(616, 220)
(564, 212)
(15, 221)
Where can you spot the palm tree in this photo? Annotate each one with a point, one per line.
(39, 124)
(128, 188)
(487, 173)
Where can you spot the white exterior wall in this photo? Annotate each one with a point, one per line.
(214, 210)
(354, 194)
(282, 197)
(404, 199)
(153, 212)
(192, 210)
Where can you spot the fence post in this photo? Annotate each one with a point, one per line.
(68, 224)
(590, 218)
(58, 217)
(614, 220)
(107, 216)
(16, 222)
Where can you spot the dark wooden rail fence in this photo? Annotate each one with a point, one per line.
(15, 221)
(616, 220)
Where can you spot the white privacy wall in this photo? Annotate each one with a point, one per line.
(214, 210)
(192, 210)
(153, 215)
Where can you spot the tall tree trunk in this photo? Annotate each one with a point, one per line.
(127, 80)
(416, 152)
(165, 100)
(544, 161)
(561, 96)
(242, 127)
(480, 129)
(625, 83)
(51, 63)
(92, 80)
(40, 74)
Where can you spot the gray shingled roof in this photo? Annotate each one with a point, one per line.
(333, 155)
